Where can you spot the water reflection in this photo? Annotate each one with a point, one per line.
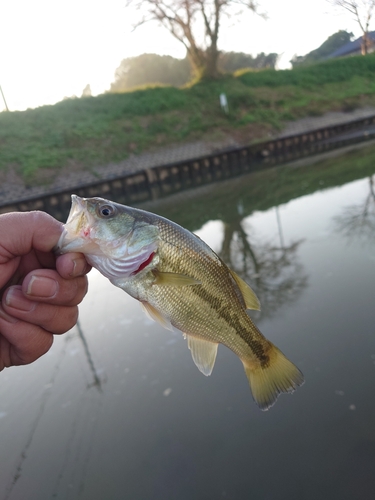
(74, 440)
(96, 379)
(150, 426)
(35, 424)
(263, 189)
(357, 221)
(274, 272)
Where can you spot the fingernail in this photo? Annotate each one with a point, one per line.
(16, 299)
(6, 316)
(79, 268)
(42, 287)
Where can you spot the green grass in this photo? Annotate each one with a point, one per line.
(85, 132)
(330, 71)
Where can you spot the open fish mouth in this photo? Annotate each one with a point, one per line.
(76, 228)
(76, 210)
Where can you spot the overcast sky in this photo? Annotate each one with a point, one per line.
(53, 48)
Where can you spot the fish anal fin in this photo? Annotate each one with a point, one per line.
(155, 315)
(203, 353)
(251, 300)
(267, 382)
(173, 279)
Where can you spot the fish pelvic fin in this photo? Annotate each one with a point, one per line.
(155, 315)
(249, 297)
(267, 382)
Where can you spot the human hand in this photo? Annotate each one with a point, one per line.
(39, 293)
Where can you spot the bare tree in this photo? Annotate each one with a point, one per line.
(362, 11)
(194, 23)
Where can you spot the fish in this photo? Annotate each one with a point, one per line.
(180, 282)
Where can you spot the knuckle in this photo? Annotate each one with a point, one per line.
(81, 287)
(42, 344)
(37, 217)
(63, 319)
(32, 342)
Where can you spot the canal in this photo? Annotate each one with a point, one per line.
(118, 410)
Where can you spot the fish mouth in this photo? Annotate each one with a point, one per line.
(78, 206)
(77, 227)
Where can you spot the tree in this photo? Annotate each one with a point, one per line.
(149, 69)
(194, 23)
(232, 61)
(86, 92)
(362, 11)
(332, 43)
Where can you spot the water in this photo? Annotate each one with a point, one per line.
(118, 410)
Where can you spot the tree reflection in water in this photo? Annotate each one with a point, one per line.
(358, 221)
(274, 272)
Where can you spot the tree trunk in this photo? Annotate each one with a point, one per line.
(204, 63)
(364, 44)
(212, 56)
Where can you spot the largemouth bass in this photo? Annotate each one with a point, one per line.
(180, 281)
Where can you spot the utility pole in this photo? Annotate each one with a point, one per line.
(2, 93)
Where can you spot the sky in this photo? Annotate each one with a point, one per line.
(51, 49)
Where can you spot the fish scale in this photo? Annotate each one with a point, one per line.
(181, 282)
(218, 317)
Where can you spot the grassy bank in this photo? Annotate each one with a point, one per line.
(85, 132)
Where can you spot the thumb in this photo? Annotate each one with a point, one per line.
(21, 232)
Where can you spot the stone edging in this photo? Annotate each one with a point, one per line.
(151, 183)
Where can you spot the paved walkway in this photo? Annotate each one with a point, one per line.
(13, 188)
(332, 118)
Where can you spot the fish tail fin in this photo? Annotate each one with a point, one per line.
(267, 382)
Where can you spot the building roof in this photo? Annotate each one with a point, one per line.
(352, 47)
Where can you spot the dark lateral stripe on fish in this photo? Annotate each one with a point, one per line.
(234, 323)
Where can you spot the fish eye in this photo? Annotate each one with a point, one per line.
(105, 211)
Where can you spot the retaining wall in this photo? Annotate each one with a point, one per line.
(165, 179)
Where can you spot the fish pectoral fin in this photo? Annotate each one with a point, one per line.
(155, 315)
(173, 279)
(251, 300)
(203, 353)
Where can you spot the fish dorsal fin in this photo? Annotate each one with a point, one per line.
(155, 315)
(251, 300)
(203, 353)
(173, 279)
